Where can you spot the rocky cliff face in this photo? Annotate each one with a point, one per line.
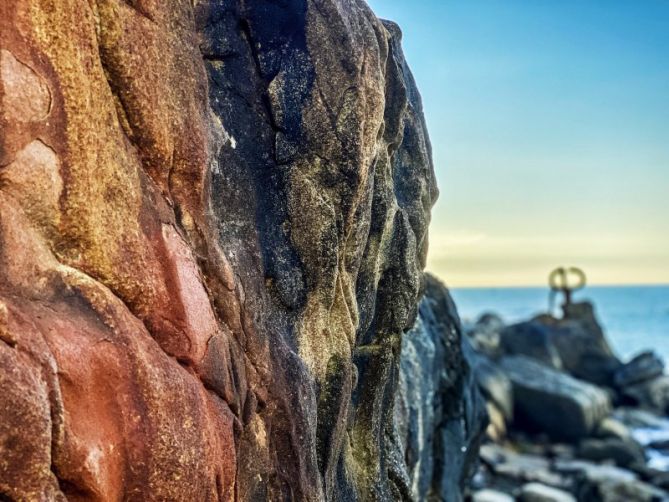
(213, 225)
(439, 413)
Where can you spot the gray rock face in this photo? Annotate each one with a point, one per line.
(611, 427)
(213, 230)
(531, 339)
(652, 395)
(610, 484)
(536, 492)
(488, 495)
(494, 384)
(519, 468)
(623, 452)
(320, 196)
(552, 402)
(635, 418)
(439, 413)
(485, 334)
(576, 343)
(642, 367)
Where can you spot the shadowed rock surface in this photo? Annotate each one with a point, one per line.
(440, 415)
(213, 226)
(554, 402)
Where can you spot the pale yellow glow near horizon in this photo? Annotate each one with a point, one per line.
(549, 125)
(509, 221)
(475, 259)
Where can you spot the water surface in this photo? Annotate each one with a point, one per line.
(634, 317)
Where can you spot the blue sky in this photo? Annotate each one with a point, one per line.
(549, 122)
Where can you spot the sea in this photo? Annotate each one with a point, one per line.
(635, 318)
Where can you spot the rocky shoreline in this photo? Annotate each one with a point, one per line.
(568, 419)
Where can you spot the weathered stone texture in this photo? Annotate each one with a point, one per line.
(213, 225)
(440, 414)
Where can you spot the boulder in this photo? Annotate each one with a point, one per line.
(496, 429)
(623, 452)
(584, 314)
(531, 444)
(644, 366)
(594, 472)
(660, 480)
(530, 339)
(536, 492)
(635, 418)
(440, 415)
(575, 344)
(485, 334)
(546, 400)
(661, 444)
(494, 384)
(611, 427)
(621, 491)
(581, 344)
(592, 366)
(489, 321)
(651, 395)
(607, 483)
(519, 468)
(562, 450)
(488, 495)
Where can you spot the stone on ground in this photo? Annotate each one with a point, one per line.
(546, 400)
(536, 492)
(530, 339)
(623, 452)
(489, 495)
(644, 366)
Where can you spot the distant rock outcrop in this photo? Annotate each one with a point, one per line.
(582, 426)
(549, 401)
(213, 226)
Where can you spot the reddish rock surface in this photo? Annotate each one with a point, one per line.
(106, 322)
(213, 224)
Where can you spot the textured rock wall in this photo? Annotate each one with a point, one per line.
(213, 225)
(439, 414)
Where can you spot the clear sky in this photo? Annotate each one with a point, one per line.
(549, 123)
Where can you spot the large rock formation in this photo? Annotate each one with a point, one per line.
(439, 415)
(213, 225)
(546, 400)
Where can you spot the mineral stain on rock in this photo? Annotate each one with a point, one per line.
(213, 229)
(26, 97)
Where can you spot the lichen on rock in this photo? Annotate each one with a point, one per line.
(213, 229)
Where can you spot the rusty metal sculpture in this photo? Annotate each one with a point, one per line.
(559, 282)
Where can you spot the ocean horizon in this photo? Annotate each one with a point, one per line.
(634, 317)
